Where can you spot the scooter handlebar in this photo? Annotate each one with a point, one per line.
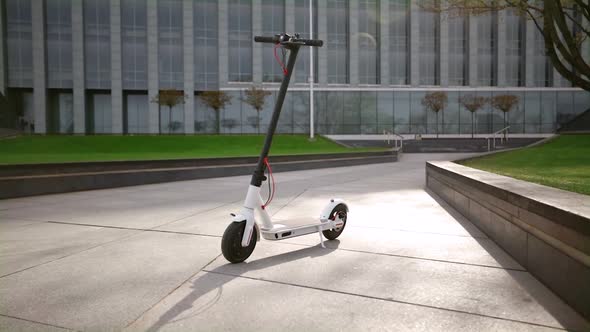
(277, 39)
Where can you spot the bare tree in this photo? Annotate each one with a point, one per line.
(435, 102)
(564, 25)
(504, 103)
(217, 100)
(255, 97)
(472, 103)
(169, 98)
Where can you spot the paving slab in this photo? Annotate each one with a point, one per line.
(217, 302)
(109, 286)
(31, 245)
(506, 294)
(20, 325)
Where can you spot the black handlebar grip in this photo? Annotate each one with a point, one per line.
(262, 39)
(312, 42)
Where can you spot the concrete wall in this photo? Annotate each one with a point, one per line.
(544, 229)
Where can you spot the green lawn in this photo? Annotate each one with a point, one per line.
(562, 163)
(50, 149)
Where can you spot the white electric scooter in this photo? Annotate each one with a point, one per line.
(240, 237)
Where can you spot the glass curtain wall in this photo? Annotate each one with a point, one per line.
(368, 41)
(398, 41)
(240, 40)
(514, 49)
(60, 113)
(59, 43)
(486, 49)
(97, 44)
(542, 68)
(170, 44)
(457, 48)
(302, 27)
(273, 21)
(134, 44)
(428, 47)
(19, 42)
(98, 113)
(136, 119)
(205, 43)
(337, 48)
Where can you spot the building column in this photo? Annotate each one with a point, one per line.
(189, 62)
(384, 42)
(257, 47)
(353, 42)
(222, 25)
(39, 64)
(116, 68)
(472, 51)
(414, 57)
(78, 73)
(500, 55)
(322, 8)
(3, 65)
(443, 50)
(153, 74)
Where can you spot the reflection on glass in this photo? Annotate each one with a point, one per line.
(302, 27)
(514, 31)
(170, 44)
(273, 22)
(134, 44)
(205, 43)
(59, 43)
(136, 117)
(19, 42)
(99, 116)
(172, 119)
(368, 42)
(240, 40)
(398, 41)
(97, 44)
(61, 113)
(428, 48)
(337, 48)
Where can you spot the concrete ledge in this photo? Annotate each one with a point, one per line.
(29, 180)
(546, 230)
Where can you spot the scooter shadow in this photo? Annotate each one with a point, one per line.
(218, 277)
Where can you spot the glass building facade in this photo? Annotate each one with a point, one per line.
(104, 61)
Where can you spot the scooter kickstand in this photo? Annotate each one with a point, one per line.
(321, 238)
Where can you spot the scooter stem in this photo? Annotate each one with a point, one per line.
(258, 175)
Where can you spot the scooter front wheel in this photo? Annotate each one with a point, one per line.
(231, 243)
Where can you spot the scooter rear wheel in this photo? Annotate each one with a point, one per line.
(231, 243)
(340, 212)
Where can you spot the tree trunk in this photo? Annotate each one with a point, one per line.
(218, 122)
(169, 120)
(472, 125)
(504, 125)
(258, 121)
(436, 125)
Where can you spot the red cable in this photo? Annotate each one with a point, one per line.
(279, 60)
(272, 179)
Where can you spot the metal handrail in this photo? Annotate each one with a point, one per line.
(493, 137)
(389, 136)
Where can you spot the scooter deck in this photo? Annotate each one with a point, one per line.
(280, 232)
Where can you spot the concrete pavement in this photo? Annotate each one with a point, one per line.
(148, 258)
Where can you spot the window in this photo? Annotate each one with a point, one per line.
(302, 26)
(368, 40)
(457, 49)
(136, 119)
(398, 41)
(273, 22)
(338, 41)
(205, 44)
(486, 47)
(97, 44)
(170, 44)
(428, 47)
(240, 40)
(19, 42)
(134, 44)
(514, 49)
(59, 43)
